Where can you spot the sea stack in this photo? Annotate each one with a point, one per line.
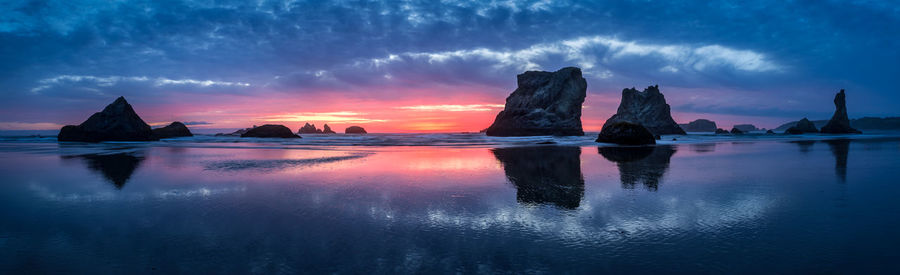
(736, 131)
(648, 109)
(309, 129)
(270, 131)
(354, 130)
(176, 129)
(700, 125)
(840, 121)
(626, 133)
(117, 122)
(327, 130)
(803, 126)
(544, 103)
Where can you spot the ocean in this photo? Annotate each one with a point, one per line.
(451, 203)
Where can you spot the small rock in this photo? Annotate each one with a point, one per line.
(270, 131)
(626, 133)
(354, 130)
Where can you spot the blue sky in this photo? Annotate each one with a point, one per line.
(231, 63)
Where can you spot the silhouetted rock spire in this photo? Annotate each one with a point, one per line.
(117, 122)
(840, 122)
(648, 109)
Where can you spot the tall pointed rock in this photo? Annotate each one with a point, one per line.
(117, 122)
(840, 121)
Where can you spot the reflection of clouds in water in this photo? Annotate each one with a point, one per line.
(106, 195)
(674, 214)
(277, 164)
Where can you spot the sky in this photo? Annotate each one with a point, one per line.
(438, 66)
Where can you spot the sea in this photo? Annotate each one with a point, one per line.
(451, 203)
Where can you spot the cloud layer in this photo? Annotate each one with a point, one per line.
(761, 60)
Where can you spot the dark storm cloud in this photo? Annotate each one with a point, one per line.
(55, 53)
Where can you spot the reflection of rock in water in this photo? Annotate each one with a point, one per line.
(644, 165)
(544, 175)
(117, 168)
(805, 145)
(840, 148)
(703, 147)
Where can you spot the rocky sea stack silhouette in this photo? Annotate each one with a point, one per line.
(544, 103)
(840, 122)
(626, 133)
(747, 127)
(270, 131)
(327, 130)
(176, 129)
(803, 126)
(700, 125)
(354, 130)
(648, 109)
(117, 122)
(309, 129)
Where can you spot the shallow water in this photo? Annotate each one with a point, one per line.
(451, 203)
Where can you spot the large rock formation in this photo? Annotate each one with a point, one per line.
(700, 125)
(354, 130)
(802, 127)
(647, 108)
(270, 131)
(309, 129)
(626, 133)
(327, 130)
(736, 131)
(544, 103)
(840, 122)
(117, 122)
(176, 129)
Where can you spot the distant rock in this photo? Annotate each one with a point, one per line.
(354, 130)
(721, 131)
(770, 132)
(270, 131)
(327, 130)
(237, 133)
(117, 122)
(545, 103)
(309, 129)
(648, 109)
(840, 122)
(176, 129)
(746, 127)
(736, 131)
(700, 125)
(864, 123)
(626, 133)
(802, 127)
